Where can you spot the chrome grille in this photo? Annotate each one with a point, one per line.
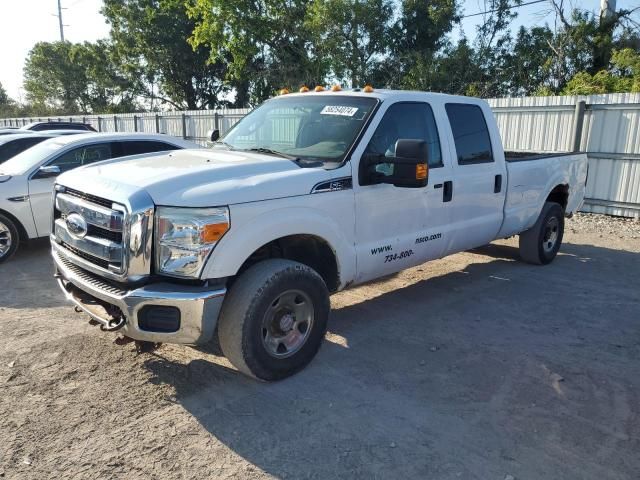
(103, 202)
(102, 240)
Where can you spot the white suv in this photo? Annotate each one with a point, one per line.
(26, 180)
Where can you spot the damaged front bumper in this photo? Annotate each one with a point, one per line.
(158, 312)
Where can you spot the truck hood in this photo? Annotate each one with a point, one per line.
(197, 178)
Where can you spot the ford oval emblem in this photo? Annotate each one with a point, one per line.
(76, 225)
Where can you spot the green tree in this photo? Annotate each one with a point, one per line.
(527, 66)
(623, 75)
(150, 39)
(265, 44)
(7, 105)
(418, 39)
(62, 77)
(353, 35)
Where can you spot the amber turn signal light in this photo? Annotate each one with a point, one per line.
(421, 171)
(213, 232)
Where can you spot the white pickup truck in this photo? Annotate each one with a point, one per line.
(309, 194)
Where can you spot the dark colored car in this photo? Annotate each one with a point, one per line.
(42, 126)
(11, 145)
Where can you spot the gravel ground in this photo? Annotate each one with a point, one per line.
(475, 366)
(604, 225)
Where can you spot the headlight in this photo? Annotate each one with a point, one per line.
(185, 237)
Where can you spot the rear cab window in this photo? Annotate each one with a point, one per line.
(470, 133)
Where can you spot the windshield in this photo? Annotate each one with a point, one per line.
(25, 161)
(317, 127)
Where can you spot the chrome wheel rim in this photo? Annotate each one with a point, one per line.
(287, 323)
(5, 239)
(551, 233)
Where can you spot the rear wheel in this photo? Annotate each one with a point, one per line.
(9, 238)
(274, 319)
(540, 244)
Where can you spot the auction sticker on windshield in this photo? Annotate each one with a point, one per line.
(339, 110)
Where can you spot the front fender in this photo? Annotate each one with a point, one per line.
(252, 228)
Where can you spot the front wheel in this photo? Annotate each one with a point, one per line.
(540, 244)
(9, 238)
(274, 319)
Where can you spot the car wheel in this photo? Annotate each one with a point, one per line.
(9, 238)
(540, 244)
(274, 319)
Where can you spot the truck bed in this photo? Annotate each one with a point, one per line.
(531, 177)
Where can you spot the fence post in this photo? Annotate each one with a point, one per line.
(184, 126)
(115, 123)
(157, 123)
(216, 121)
(99, 123)
(135, 123)
(578, 123)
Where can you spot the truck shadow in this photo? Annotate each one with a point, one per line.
(438, 379)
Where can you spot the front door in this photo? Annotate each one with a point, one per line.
(400, 227)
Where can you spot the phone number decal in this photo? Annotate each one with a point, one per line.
(398, 256)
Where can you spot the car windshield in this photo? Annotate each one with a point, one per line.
(319, 127)
(25, 161)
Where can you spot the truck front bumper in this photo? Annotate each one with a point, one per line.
(159, 312)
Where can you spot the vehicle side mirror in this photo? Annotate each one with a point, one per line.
(409, 168)
(48, 171)
(214, 135)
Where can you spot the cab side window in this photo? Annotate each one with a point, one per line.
(83, 156)
(470, 133)
(407, 121)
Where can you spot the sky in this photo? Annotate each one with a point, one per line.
(23, 23)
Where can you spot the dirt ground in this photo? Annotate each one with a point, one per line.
(472, 367)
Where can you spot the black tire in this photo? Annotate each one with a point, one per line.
(256, 311)
(540, 244)
(10, 236)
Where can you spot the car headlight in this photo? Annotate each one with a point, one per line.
(184, 237)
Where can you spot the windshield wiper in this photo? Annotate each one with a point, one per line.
(269, 151)
(220, 142)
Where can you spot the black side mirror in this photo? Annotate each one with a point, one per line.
(47, 171)
(214, 135)
(409, 168)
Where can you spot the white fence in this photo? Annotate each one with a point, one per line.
(607, 127)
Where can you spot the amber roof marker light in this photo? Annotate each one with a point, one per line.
(367, 89)
(336, 88)
(284, 91)
(304, 89)
(319, 88)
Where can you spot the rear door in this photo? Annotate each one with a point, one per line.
(41, 189)
(400, 227)
(479, 183)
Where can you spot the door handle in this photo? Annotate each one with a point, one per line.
(497, 184)
(447, 192)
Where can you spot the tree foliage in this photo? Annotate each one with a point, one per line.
(191, 54)
(75, 78)
(150, 42)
